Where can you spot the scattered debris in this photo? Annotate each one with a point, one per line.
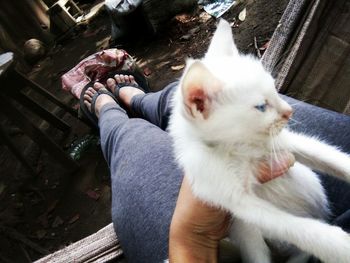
(217, 8)
(242, 15)
(178, 67)
(190, 33)
(74, 219)
(89, 33)
(43, 220)
(258, 53)
(26, 254)
(184, 18)
(39, 167)
(185, 37)
(13, 234)
(147, 71)
(234, 23)
(2, 188)
(93, 194)
(40, 234)
(265, 46)
(204, 17)
(14, 131)
(80, 146)
(57, 222)
(52, 206)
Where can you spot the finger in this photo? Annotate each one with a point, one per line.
(268, 171)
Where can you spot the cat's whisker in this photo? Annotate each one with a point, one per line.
(271, 150)
(291, 125)
(274, 151)
(295, 121)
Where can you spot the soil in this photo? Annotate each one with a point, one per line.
(56, 208)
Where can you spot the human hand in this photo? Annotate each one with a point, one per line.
(270, 169)
(196, 227)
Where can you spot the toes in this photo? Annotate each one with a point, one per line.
(122, 78)
(87, 98)
(111, 84)
(89, 93)
(98, 86)
(118, 78)
(127, 79)
(88, 104)
(132, 79)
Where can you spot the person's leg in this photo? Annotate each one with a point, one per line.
(153, 107)
(145, 181)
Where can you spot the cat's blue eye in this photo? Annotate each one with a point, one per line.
(261, 107)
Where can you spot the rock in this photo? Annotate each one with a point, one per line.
(33, 50)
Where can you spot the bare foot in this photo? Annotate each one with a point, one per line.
(101, 100)
(126, 93)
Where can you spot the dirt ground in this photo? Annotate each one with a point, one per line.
(56, 208)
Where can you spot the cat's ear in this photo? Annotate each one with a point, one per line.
(199, 88)
(222, 43)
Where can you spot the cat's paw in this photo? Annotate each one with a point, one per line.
(338, 249)
(343, 171)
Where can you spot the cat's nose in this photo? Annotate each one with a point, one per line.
(287, 113)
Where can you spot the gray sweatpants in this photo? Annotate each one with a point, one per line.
(146, 180)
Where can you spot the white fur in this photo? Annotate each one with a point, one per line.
(219, 153)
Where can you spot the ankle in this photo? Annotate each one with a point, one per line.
(127, 95)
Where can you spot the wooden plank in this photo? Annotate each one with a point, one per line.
(37, 135)
(101, 246)
(36, 87)
(8, 142)
(43, 113)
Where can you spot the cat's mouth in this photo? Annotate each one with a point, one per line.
(277, 126)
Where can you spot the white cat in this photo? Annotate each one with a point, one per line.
(227, 116)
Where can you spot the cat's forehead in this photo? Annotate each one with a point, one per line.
(242, 74)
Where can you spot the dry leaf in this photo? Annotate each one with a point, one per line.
(93, 194)
(178, 67)
(2, 188)
(147, 71)
(265, 46)
(242, 15)
(41, 233)
(74, 219)
(186, 37)
(52, 206)
(57, 222)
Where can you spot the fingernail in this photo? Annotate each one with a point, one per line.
(291, 159)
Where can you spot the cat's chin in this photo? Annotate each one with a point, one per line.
(276, 128)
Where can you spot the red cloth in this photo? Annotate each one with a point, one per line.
(95, 68)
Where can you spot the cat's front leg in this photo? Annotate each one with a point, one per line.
(317, 154)
(250, 242)
(328, 243)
